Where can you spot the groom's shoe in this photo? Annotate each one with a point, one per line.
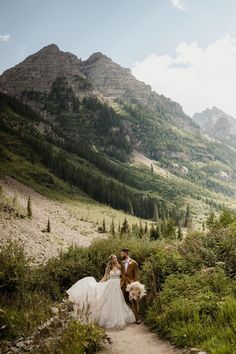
(138, 321)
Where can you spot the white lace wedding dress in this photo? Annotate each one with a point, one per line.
(105, 301)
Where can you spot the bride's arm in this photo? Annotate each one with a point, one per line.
(105, 277)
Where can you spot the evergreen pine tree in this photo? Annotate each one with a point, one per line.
(211, 220)
(141, 231)
(153, 235)
(179, 233)
(163, 227)
(170, 229)
(152, 168)
(125, 227)
(203, 226)
(29, 208)
(163, 211)
(119, 229)
(158, 231)
(113, 233)
(187, 220)
(146, 228)
(14, 201)
(103, 226)
(48, 226)
(135, 230)
(131, 210)
(156, 213)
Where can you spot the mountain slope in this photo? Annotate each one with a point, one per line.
(217, 124)
(85, 119)
(98, 72)
(41, 69)
(66, 227)
(117, 83)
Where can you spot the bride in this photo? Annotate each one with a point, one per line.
(104, 300)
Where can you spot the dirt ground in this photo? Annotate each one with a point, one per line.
(137, 339)
(67, 228)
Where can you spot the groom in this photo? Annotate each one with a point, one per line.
(129, 270)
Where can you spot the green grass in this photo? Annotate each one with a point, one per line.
(13, 163)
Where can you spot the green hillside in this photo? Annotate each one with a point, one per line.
(88, 143)
(95, 175)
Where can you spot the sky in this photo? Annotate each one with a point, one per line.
(185, 49)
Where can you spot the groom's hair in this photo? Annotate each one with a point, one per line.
(125, 250)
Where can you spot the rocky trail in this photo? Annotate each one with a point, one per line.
(132, 339)
(137, 340)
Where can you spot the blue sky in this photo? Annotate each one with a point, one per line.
(128, 31)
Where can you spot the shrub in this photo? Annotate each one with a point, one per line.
(228, 249)
(158, 266)
(223, 335)
(190, 308)
(21, 316)
(21, 309)
(191, 288)
(60, 273)
(197, 252)
(77, 338)
(14, 268)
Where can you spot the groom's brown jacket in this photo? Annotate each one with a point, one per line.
(130, 275)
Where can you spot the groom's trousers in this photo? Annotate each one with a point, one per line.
(134, 304)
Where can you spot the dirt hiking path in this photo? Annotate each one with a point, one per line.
(137, 340)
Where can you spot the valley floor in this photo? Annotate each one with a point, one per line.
(138, 340)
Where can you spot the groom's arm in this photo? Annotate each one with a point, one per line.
(136, 271)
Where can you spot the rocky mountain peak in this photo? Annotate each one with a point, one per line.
(114, 81)
(98, 75)
(97, 57)
(215, 122)
(41, 69)
(50, 48)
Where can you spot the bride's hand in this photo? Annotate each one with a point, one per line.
(118, 265)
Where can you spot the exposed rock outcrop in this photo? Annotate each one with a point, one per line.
(216, 123)
(97, 76)
(116, 82)
(40, 70)
(113, 81)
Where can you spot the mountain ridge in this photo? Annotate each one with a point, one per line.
(217, 124)
(98, 74)
(84, 120)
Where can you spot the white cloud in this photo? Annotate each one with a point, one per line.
(195, 77)
(179, 4)
(4, 37)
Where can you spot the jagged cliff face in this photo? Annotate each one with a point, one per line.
(116, 82)
(41, 69)
(113, 81)
(98, 76)
(216, 123)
